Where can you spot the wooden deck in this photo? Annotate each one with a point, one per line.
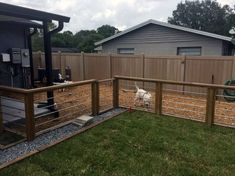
(14, 110)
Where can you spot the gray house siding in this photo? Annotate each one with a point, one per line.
(12, 36)
(153, 39)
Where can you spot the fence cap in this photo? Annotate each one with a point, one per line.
(44, 89)
(214, 86)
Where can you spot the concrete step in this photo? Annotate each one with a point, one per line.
(83, 120)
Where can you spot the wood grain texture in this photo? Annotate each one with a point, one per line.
(210, 106)
(29, 114)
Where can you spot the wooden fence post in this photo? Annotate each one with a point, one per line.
(110, 65)
(1, 119)
(210, 106)
(183, 70)
(158, 98)
(29, 116)
(95, 97)
(83, 66)
(233, 67)
(143, 67)
(115, 93)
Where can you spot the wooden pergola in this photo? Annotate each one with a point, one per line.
(45, 18)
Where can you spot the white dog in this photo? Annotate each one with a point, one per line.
(142, 96)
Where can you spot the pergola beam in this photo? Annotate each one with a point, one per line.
(31, 14)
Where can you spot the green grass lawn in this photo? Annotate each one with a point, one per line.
(138, 143)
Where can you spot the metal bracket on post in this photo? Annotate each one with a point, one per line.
(210, 106)
(115, 93)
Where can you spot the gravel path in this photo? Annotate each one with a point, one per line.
(45, 139)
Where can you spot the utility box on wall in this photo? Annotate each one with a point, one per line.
(25, 58)
(14, 55)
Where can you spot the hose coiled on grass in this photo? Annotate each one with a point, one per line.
(228, 95)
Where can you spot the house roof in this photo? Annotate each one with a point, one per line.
(207, 34)
(65, 50)
(9, 19)
(99, 48)
(31, 14)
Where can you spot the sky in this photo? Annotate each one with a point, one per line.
(90, 14)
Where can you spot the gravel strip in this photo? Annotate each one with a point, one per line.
(45, 139)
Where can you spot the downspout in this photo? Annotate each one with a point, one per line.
(58, 29)
(31, 54)
(48, 59)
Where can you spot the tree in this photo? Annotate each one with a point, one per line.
(206, 15)
(65, 39)
(107, 30)
(37, 39)
(84, 40)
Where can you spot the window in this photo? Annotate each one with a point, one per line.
(126, 51)
(189, 51)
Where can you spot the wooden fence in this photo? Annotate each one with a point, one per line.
(207, 107)
(201, 69)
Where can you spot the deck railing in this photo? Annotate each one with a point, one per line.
(92, 97)
(208, 106)
(72, 99)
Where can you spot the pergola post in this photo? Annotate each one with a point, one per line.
(31, 55)
(48, 63)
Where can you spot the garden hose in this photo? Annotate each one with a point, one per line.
(228, 95)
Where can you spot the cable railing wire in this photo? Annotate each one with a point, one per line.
(64, 117)
(180, 109)
(59, 110)
(196, 93)
(183, 104)
(186, 98)
(58, 96)
(224, 116)
(11, 107)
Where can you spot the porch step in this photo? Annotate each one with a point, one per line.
(82, 120)
(14, 110)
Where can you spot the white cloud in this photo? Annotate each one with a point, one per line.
(90, 14)
(229, 2)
